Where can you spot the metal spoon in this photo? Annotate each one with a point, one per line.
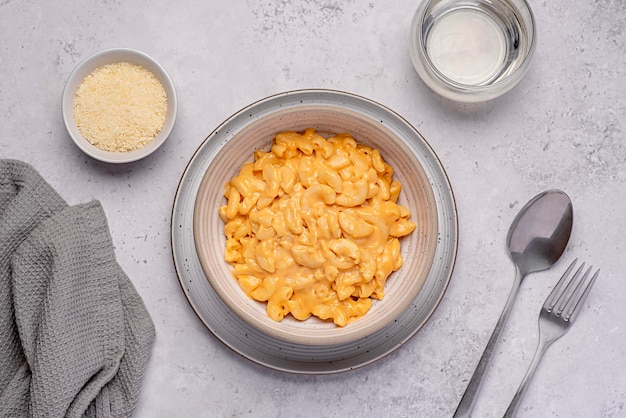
(536, 239)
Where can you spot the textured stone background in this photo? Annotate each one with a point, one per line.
(561, 127)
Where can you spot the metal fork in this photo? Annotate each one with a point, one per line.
(555, 318)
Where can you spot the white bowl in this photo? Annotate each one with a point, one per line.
(418, 248)
(110, 56)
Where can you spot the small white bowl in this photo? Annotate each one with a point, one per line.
(110, 56)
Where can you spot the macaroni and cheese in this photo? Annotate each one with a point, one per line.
(312, 226)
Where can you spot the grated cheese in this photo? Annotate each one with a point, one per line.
(120, 107)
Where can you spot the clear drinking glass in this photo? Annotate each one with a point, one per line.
(472, 50)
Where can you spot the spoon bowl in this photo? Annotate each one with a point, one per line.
(536, 240)
(540, 232)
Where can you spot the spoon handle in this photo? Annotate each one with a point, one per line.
(469, 397)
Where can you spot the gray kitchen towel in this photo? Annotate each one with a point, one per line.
(75, 336)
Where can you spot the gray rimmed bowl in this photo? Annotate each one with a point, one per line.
(418, 249)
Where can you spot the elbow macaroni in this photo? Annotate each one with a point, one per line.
(312, 227)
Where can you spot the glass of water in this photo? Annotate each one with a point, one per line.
(472, 50)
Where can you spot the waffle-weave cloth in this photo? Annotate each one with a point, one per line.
(75, 336)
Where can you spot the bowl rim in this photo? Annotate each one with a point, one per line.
(110, 56)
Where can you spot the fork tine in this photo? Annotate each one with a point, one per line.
(576, 304)
(572, 295)
(568, 293)
(552, 298)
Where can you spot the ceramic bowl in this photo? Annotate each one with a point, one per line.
(110, 56)
(259, 126)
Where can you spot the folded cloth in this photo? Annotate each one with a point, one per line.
(75, 336)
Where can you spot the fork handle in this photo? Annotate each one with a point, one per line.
(464, 410)
(542, 346)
